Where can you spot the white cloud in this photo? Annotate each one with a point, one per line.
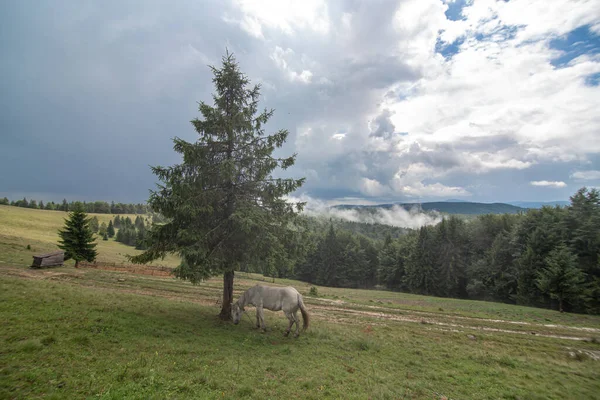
(395, 216)
(496, 104)
(373, 188)
(590, 175)
(419, 190)
(287, 16)
(279, 56)
(552, 184)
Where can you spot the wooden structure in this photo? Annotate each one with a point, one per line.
(49, 259)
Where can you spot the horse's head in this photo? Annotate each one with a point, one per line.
(236, 312)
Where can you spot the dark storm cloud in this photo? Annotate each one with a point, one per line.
(92, 93)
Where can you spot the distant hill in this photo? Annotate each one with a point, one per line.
(538, 204)
(447, 207)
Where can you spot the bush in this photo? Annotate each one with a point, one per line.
(313, 291)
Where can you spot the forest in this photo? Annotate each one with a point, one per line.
(546, 257)
(99, 207)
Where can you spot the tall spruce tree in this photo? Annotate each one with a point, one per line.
(223, 207)
(111, 229)
(77, 238)
(562, 279)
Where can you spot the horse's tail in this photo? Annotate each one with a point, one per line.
(305, 316)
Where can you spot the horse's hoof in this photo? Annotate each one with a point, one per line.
(286, 334)
(296, 335)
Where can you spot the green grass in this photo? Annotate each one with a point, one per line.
(20, 227)
(90, 333)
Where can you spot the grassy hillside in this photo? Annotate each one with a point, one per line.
(20, 227)
(91, 333)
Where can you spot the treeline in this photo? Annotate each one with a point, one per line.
(100, 207)
(545, 257)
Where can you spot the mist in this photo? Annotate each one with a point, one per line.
(396, 216)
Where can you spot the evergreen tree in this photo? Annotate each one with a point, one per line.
(94, 224)
(105, 236)
(117, 222)
(329, 259)
(33, 204)
(224, 207)
(77, 239)
(103, 228)
(562, 279)
(4, 201)
(140, 234)
(110, 230)
(421, 276)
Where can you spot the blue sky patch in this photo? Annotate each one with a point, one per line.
(454, 11)
(593, 80)
(448, 50)
(574, 44)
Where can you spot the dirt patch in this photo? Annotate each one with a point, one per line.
(429, 321)
(431, 315)
(131, 269)
(39, 273)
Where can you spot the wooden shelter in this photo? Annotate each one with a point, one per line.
(49, 259)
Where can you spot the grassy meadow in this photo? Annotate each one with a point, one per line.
(20, 227)
(91, 333)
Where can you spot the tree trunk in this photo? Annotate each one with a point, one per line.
(227, 296)
(560, 305)
(76, 263)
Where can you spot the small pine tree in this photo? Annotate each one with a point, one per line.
(4, 201)
(118, 222)
(41, 206)
(110, 230)
(105, 237)
(77, 238)
(102, 229)
(94, 226)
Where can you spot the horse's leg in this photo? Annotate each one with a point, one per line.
(295, 315)
(290, 317)
(257, 319)
(259, 310)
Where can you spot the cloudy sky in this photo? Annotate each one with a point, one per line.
(410, 100)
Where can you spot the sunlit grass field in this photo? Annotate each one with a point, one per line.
(90, 333)
(20, 227)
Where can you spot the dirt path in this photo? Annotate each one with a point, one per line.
(394, 312)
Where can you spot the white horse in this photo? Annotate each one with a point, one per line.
(275, 299)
